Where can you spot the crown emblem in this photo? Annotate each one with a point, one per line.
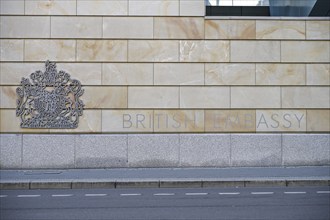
(49, 100)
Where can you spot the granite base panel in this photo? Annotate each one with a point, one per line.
(58, 151)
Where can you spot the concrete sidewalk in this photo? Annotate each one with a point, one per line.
(164, 177)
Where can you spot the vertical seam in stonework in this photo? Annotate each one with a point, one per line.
(305, 65)
(101, 121)
(24, 7)
(282, 161)
(153, 74)
(74, 150)
(127, 7)
(76, 7)
(22, 150)
(50, 27)
(127, 150)
(255, 74)
(230, 97)
(179, 156)
(76, 51)
(179, 97)
(230, 143)
(204, 74)
(280, 51)
(23, 50)
(281, 97)
(102, 29)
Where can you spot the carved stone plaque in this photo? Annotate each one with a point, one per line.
(49, 100)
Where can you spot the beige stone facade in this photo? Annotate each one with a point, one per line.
(160, 66)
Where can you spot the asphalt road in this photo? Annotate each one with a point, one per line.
(217, 203)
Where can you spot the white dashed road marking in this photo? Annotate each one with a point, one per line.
(323, 192)
(230, 193)
(164, 194)
(196, 194)
(3, 196)
(262, 193)
(28, 196)
(95, 195)
(131, 194)
(62, 195)
(294, 192)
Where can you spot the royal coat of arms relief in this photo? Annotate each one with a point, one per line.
(49, 99)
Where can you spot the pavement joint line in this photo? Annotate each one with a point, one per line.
(262, 193)
(131, 194)
(62, 195)
(196, 194)
(3, 196)
(323, 192)
(27, 196)
(230, 193)
(96, 194)
(164, 194)
(294, 192)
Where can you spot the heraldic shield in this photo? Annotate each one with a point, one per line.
(49, 100)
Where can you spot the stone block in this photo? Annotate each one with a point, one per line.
(76, 27)
(230, 29)
(178, 28)
(265, 183)
(105, 97)
(305, 51)
(86, 73)
(54, 50)
(192, 8)
(256, 150)
(178, 74)
(280, 29)
(50, 185)
(102, 7)
(24, 27)
(102, 50)
(222, 184)
(127, 121)
(281, 120)
(10, 123)
(255, 51)
(89, 122)
(180, 184)
(230, 74)
(54, 7)
(128, 27)
(205, 150)
(280, 74)
(14, 185)
(11, 151)
(12, 73)
(8, 96)
(153, 150)
(178, 120)
(318, 120)
(306, 149)
(204, 97)
(137, 184)
(10, 7)
(245, 97)
(153, 51)
(318, 30)
(11, 50)
(127, 74)
(153, 97)
(305, 97)
(204, 51)
(318, 74)
(153, 8)
(230, 120)
(48, 151)
(101, 151)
